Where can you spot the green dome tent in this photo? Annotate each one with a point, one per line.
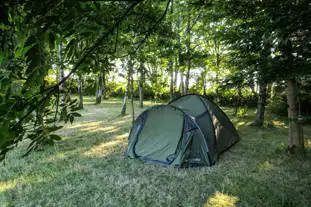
(189, 131)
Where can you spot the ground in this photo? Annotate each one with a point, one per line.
(88, 168)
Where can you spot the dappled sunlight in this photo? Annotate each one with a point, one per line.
(278, 123)
(22, 180)
(108, 147)
(222, 200)
(104, 149)
(95, 126)
(121, 122)
(109, 129)
(6, 186)
(84, 125)
(266, 165)
(58, 156)
(242, 123)
(122, 136)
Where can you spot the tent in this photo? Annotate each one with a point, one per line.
(189, 131)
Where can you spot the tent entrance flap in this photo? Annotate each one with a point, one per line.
(160, 135)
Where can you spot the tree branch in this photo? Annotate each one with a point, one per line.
(154, 27)
(89, 51)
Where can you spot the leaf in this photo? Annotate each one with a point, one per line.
(76, 114)
(55, 137)
(54, 128)
(71, 118)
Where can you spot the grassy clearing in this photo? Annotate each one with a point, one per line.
(88, 168)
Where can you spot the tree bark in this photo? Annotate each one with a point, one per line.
(175, 77)
(61, 70)
(295, 130)
(182, 85)
(99, 89)
(179, 58)
(171, 70)
(141, 85)
(129, 70)
(238, 102)
(104, 85)
(132, 95)
(204, 80)
(261, 104)
(188, 42)
(80, 91)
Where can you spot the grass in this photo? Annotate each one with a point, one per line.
(88, 168)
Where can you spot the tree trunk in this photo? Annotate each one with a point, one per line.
(171, 70)
(261, 104)
(188, 41)
(179, 57)
(61, 70)
(99, 89)
(80, 91)
(104, 86)
(203, 76)
(182, 85)
(295, 130)
(129, 70)
(132, 95)
(238, 102)
(141, 85)
(175, 77)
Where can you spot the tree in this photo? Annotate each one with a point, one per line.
(34, 35)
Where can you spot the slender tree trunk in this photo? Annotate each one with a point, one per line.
(99, 89)
(182, 86)
(132, 94)
(261, 104)
(61, 70)
(238, 102)
(141, 85)
(295, 130)
(104, 85)
(204, 80)
(129, 70)
(80, 91)
(175, 77)
(188, 42)
(171, 70)
(179, 63)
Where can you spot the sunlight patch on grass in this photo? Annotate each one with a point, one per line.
(266, 165)
(242, 123)
(108, 129)
(94, 127)
(85, 125)
(6, 186)
(104, 149)
(279, 124)
(58, 156)
(122, 136)
(222, 200)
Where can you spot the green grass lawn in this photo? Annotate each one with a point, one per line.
(88, 168)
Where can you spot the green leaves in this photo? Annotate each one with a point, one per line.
(69, 111)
